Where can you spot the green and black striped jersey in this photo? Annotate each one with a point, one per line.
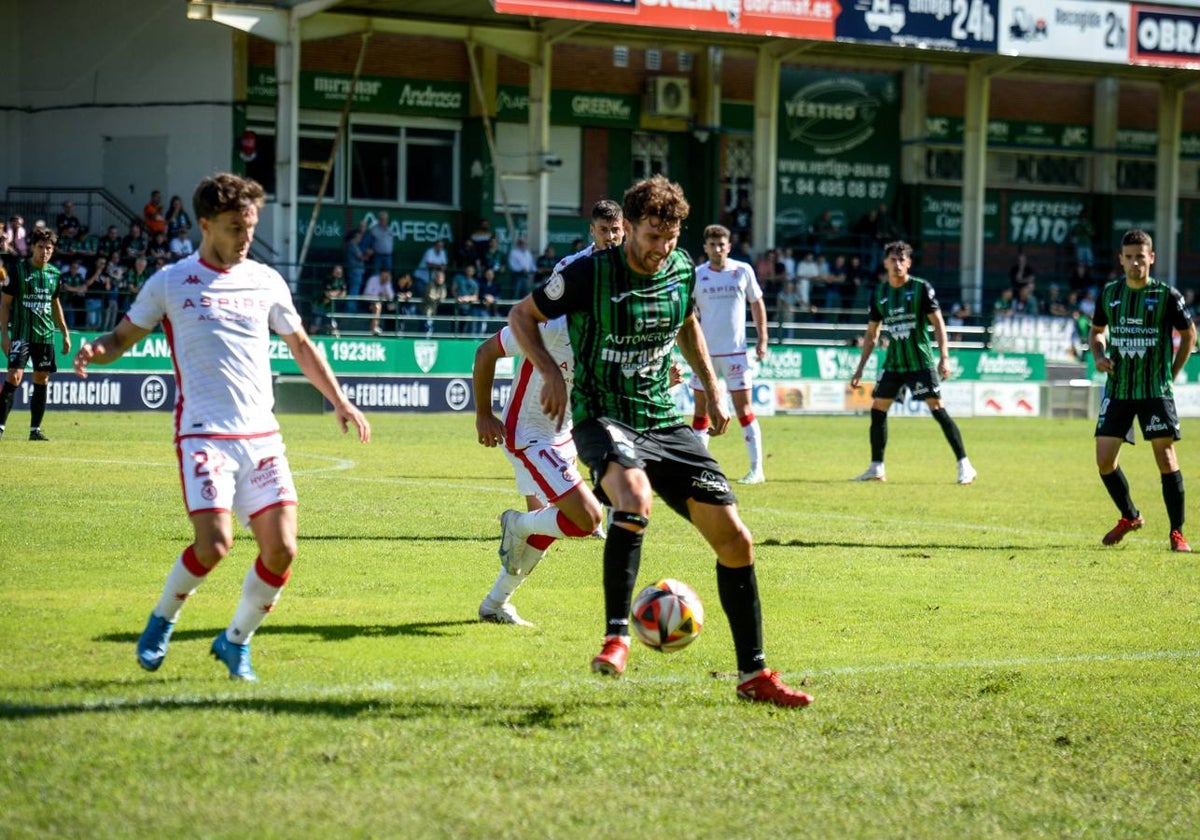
(33, 291)
(905, 312)
(622, 326)
(1140, 343)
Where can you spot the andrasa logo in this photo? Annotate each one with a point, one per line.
(832, 115)
(426, 353)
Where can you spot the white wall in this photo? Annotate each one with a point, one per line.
(94, 71)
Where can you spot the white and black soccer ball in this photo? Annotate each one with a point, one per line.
(667, 615)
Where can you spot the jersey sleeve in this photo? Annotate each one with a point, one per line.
(508, 341)
(1179, 316)
(753, 289)
(150, 305)
(930, 302)
(283, 317)
(568, 290)
(1100, 315)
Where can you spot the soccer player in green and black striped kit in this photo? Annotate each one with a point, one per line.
(30, 307)
(907, 306)
(626, 308)
(1131, 340)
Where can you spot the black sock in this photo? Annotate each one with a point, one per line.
(878, 434)
(622, 557)
(950, 430)
(1172, 484)
(738, 590)
(6, 400)
(37, 406)
(1118, 491)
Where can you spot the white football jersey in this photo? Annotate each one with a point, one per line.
(218, 324)
(721, 298)
(524, 421)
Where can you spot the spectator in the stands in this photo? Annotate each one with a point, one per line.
(109, 245)
(18, 235)
(135, 244)
(1003, 307)
(492, 258)
(158, 247)
(177, 216)
(135, 278)
(1026, 302)
(154, 216)
(434, 293)
(405, 303)
(357, 255)
(465, 291)
(75, 283)
(1021, 274)
(1055, 304)
(181, 245)
(490, 293)
(435, 257)
(382, 243)
(324, 305)
(1081, 278)
(67, 223)
(545, 264)
(523, 265)
(479, 239)
(382, 293)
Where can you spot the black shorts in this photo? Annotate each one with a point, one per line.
(44, 359)
(1156, 416)
(922, 384)
(677, 464)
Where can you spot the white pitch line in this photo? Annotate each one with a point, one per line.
(427, 686)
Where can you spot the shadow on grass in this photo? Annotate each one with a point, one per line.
(921, 546)
(325, 632)
(522, 716)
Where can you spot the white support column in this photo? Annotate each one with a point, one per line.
(978, 94)
(1166, 186)
(287, 150)
(539, 147)
(766, 146)
(912, 124)
(1106, 97)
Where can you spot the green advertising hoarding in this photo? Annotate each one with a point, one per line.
(373, 94)
(572, 107)
(837, 147)
(369, 356)
(940, 215)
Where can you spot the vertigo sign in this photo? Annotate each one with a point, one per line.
(811, 19)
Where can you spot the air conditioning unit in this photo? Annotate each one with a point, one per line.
(669, 96)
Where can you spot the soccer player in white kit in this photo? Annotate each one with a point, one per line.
(218, 310)
(723, 288)
(543, 458)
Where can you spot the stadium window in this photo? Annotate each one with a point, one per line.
(403, 164)
(944, 165)
(510, 171)
(650, 153)
(1136, 175)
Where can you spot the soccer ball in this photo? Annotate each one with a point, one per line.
(667, 615)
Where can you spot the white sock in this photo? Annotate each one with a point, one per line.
(753, 437)
(504, 587)
(701, 435)
(542, 521)
(181, 583)
(260, 591)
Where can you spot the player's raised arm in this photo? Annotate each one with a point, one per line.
(109, 347)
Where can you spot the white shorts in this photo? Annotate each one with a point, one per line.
(546, 470)
(734, 368)
(245, 476)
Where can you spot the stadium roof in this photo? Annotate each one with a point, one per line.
(472, 18)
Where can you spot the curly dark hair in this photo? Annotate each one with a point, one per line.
(606, 209)
(42, 235)
(899, 248)
(656, 197)
(225, 191)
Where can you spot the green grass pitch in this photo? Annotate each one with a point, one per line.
(982, 666)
